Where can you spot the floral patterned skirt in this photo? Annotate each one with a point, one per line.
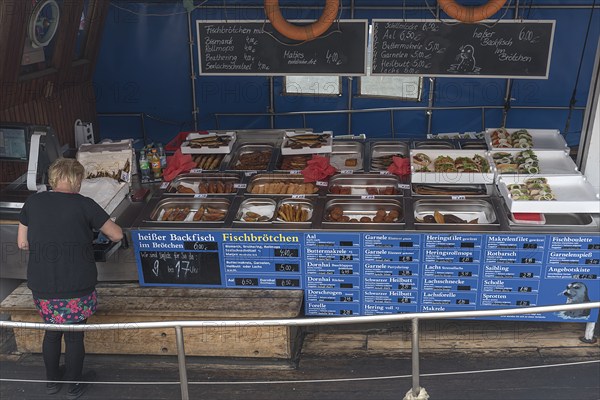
(66, 311)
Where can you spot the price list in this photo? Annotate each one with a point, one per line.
(354, 273)
(511, 270)
(451, 264)
(333, 273)
(573, 271)
(391, 273)
(263, 260)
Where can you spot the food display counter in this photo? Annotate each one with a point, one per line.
(363, 241)
(366, 242)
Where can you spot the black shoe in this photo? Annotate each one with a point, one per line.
(54, 387)
(76, 390)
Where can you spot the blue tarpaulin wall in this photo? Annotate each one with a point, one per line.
(144, 67)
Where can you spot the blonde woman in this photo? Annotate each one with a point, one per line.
(57, 229)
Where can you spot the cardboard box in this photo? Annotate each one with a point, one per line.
(109, 159)
(187, 148)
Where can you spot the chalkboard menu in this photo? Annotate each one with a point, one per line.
(517, 49)
(255, 48)
(172, 267)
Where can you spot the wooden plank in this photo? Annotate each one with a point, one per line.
(128, 303)
(449, 336)
(196, 303)
(213, 341)
(99, 13)
(72, 13)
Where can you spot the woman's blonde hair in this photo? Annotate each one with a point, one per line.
(67, 170)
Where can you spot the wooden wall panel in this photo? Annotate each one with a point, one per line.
(56, 96)
(60, 112)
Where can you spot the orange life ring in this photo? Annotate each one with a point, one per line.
(304, 33)
(471, 14)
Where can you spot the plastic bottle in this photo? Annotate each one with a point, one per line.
(155, 164)
(162, 155)
(144, 166)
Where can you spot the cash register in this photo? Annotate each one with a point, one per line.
(34, 145)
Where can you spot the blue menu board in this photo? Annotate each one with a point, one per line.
(358, 273)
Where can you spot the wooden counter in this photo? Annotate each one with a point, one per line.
(120, 303)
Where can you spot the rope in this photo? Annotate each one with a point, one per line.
(333, 380)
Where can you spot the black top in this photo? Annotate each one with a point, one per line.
(61, 256)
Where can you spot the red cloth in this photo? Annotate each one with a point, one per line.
(176, 164)
(317, 169)
(399, 166)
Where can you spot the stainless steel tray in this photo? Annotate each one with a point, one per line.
(294, 211)
(216, 208)
(453, 191)
(568, 222)
(473, 144)
(357, 212)
(434, 144)
(251, 208)
(293, 162)
(467, 210)
(364, 184)
(208, 162)
(347, 156)
(251, 157)
(281, 184)
(382, 152)
(209, 183)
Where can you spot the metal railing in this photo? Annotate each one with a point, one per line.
(413, 317)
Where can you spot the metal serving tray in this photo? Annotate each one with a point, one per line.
(467, 210)
(242, 159)
(220, 207)
(364, 185)
(473, 145)
(208, 162)
(382, 152)
(355, 209)
(453, 178)
(261, 206)
(434, 144)
(293, 162)
(300, 205)
(567, 222)
(281, 184)
(571, 192)
(453, 191)
(209, 183)
(343, 153)
(549, 139)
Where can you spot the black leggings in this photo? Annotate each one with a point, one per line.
(74, 354)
